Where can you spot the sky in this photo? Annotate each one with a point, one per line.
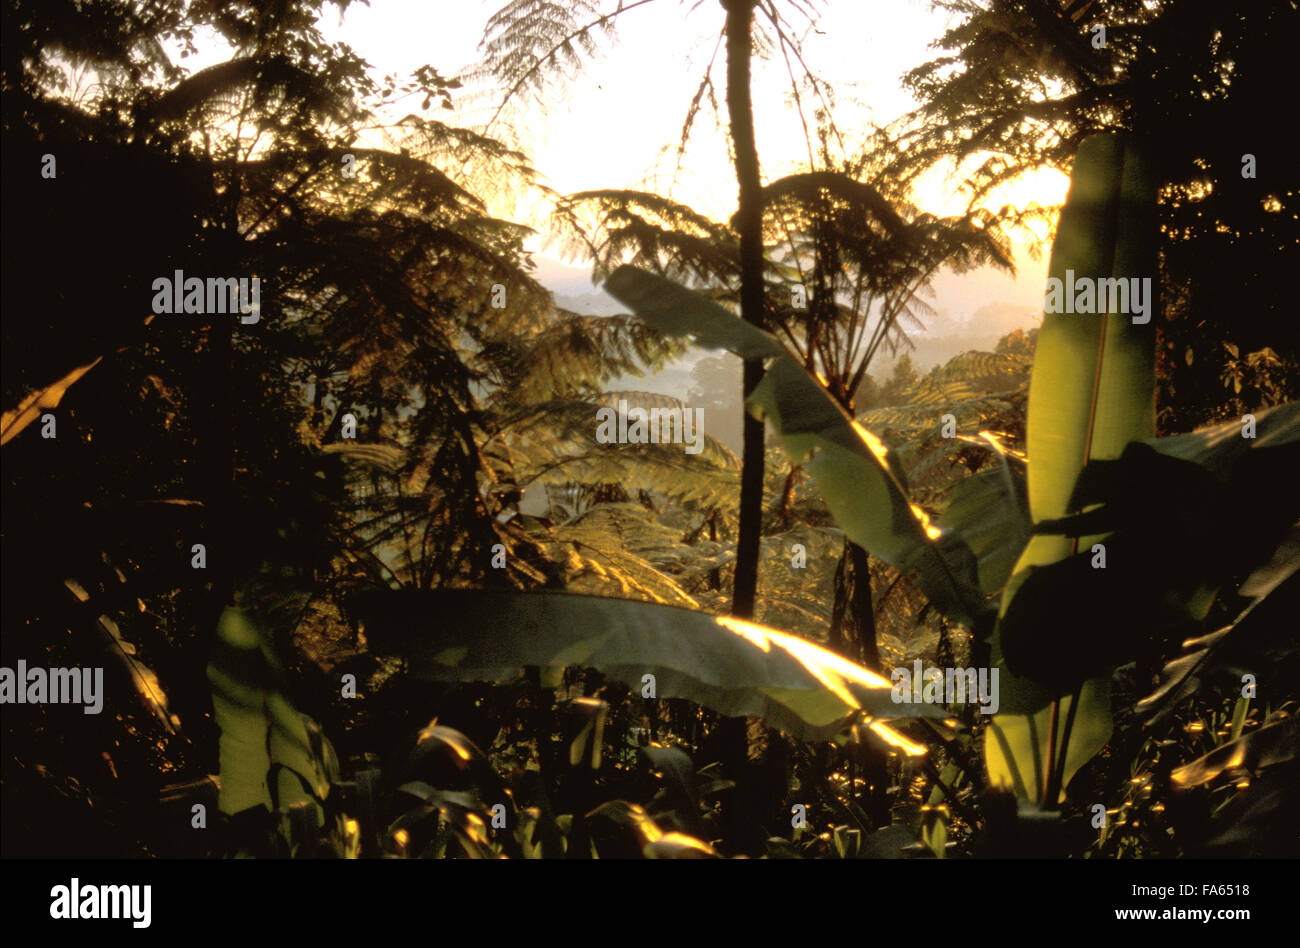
(616, 122)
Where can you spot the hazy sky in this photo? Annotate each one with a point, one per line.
(615, 123)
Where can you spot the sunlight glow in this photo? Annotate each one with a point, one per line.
(834, 672)
(875, 444)
(823, 664)
(687, 842)
(930, 529)
(892, 737)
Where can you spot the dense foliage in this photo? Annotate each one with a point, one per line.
(364, 580)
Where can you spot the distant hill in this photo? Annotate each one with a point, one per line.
(973, 311)
(573, 288)
(945, 338)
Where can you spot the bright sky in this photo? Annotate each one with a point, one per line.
(616, 123)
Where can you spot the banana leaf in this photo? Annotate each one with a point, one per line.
(271, 755)
(860, 479)
(1091, 392)
(735, 667)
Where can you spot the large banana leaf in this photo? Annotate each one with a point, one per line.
(1273, 743)
(271, 755)
(1091, 389)
(735, 667)
(677, 311)
(1261, 640)
(1090, 394)
(988, 511)
(860, 479)
(1217, 448)
(1176, 532)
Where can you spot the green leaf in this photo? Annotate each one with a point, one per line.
(859, 478)
(1091, 390)
(142, 678)
(1260, 641)
(1090, 394)
(989, 511)
(679, 846)
(1239, 711)
(1015, 746)
(736, 668)
(592, 713)
(679, 777)
(677, 311)
(260, 727)
(1217, 448)
(935, 836)
(1174, 531)
(1272, 744)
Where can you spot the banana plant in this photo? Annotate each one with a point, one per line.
(1091, 403)
(860, 478)
(1095, 470)
(731, 666)
(1091, 392)
(277, 768)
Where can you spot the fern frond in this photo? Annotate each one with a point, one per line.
(528, 44)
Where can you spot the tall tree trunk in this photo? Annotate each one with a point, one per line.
(745, 815)
(740, 18)
(220, 505)
(853, 620)
(785, 508)
(715, 575)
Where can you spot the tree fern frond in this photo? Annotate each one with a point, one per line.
(617, 227)
(527, 43)
(576, 355)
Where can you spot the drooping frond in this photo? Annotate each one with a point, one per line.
(647, 230)
(611, 550)
(576, 355)
(276, 80)
(560, 443)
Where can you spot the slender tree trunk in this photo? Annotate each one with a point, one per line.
(715, 575)
(740, 18)
(223, 558)
(853, 620)
(745, 815)
(853, 635)
(785, 508)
